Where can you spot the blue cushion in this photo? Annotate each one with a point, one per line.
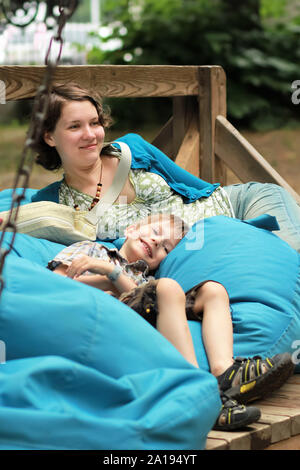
(261, 274)
(83, 371)
(6, 194)
(54, 403)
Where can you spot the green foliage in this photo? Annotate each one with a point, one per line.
(82, 13)
(273, 9)
(260, 61)
(96, 56)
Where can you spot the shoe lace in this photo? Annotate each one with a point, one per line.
(245, 359)
(227, 401)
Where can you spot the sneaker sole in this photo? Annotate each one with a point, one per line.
(264, 384)
(252, 418)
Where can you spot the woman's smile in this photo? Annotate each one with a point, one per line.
(89, 146)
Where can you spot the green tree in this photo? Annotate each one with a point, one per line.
(82, 13)
(260, 62)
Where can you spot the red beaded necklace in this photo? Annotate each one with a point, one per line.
(95, 200)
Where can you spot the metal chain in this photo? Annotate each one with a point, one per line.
(10, 10)
(39, 112)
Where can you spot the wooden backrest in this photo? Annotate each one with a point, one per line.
(198, 136)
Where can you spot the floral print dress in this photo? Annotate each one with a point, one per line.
(153, 195)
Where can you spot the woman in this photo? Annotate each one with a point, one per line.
(73, 138)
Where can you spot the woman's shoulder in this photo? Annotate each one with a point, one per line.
(133, 140)
(131, 136)
(143, 152)
(49, 193)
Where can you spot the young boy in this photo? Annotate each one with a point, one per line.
(162, 302)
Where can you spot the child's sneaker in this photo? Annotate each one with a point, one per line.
(251, 379)
(234, 416)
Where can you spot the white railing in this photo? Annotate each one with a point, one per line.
(29, 46)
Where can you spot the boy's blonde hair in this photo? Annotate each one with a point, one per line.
(179, 225)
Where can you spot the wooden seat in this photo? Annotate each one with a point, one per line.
(277, 429)
(197, 136)
(200, 139)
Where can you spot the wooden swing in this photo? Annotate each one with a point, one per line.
(200, 139)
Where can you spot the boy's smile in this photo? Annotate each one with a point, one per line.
(150, 242)
(147, 248)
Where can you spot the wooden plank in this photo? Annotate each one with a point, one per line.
(268, 430)
(260, 435)
(280, 426)
(292, 443)
(216, 444)
(286, 396)
(294, 379)
(109, 80)
(277, 399)
(290, 387)
(188, 155)
(234, 440)
(212, 102)
(280, 410)
(243, 159)
(163, 140)
(180, 111)
(257, 436)
(279, 423)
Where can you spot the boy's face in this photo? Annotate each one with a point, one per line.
(150, 242)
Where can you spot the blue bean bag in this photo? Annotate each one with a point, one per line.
(83, 371)
(261, 274)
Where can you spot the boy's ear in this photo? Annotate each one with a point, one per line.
(49, 139)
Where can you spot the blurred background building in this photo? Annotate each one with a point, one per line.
(28, 45)
(257, 42)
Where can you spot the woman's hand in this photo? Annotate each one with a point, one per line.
(86, 263)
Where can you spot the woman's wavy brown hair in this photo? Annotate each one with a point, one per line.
(47, 156)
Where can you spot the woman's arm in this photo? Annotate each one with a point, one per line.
(102, 269)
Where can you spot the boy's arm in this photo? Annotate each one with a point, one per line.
(121, 281)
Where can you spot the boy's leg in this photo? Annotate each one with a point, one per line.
(171, 319)
(163, 304)
(212, 300)
(244, 379)
(172, 323)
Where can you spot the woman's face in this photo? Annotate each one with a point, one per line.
(78, 135)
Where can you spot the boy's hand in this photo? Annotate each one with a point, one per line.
(86, 263)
